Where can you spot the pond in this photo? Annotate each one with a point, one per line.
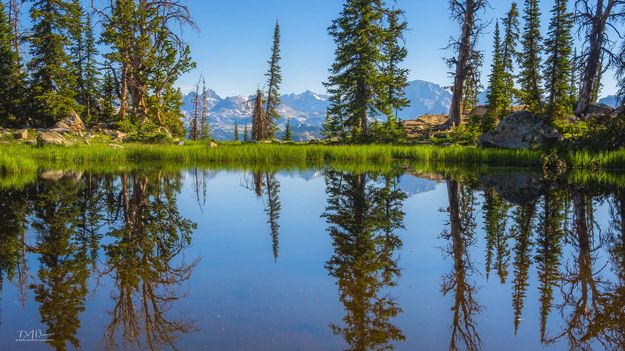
(321, 259)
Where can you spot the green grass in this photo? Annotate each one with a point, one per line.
(300, 156)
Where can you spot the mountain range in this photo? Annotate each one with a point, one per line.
(306, 110)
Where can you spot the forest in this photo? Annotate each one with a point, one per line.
(63, 85)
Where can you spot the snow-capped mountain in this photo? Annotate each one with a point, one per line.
(425, 98)
(307, 110)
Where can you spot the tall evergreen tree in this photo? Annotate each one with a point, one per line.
(89, 94)
(531, 93)
(397, 78)
(558, 66)
(498, 98)
(274, 79)
(11, 79)
(357, 82)
(52, 85)
(246, 135)
(621, 76)
(509, 50)
(205, 128)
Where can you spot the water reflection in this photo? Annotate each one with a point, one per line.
(71, 214)
(555, 247)
(362, 216)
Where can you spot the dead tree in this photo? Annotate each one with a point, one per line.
(465, 13)
(594, 18)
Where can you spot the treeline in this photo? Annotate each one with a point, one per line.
(125, 76)
(542, 71)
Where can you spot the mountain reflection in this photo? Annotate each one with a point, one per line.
(362, 217)
(73, 244)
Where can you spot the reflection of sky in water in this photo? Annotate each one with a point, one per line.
(240, 298)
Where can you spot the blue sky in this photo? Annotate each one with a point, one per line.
(233, 44)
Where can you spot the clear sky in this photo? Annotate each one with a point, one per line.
(233, 44)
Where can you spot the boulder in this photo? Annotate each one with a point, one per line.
(212, 145)
(521, 130)
(600, 110)
(518, 188)
(20, 134)
(50, 138)
(73, 123)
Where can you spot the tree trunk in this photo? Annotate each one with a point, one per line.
(464, 52)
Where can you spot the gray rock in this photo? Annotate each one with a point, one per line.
(73, 122)
(600, 110)
(521, 130)
(50, 138)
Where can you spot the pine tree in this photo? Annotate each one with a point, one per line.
(89, 94)
(205, 128)
(357, 82)
(558, 66)
(397, 78)
(620, 71)
(498, 99)
(11, 79)
(246, 136)
(236, 131)
(258, 118)
(52, 85)
(274, 79)
(509, 51)
(197, 110)
(288, 134)
(108, 98)
(531, 93)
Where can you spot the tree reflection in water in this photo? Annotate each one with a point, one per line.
(142, 260)
(461, 235)
(362, 217)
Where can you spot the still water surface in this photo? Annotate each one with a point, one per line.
(316, 260)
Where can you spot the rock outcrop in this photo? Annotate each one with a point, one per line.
(595, 110)
(50, 138)
(521, 130)
(72, 123)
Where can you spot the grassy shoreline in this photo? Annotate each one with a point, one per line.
(17, 158)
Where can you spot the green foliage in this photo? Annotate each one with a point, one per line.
(11, 78)
(288, 134)
(53, 82)
(558, 66)
(365, 79)
(499, 97)
(530, 59)
(464, 134)
(274, 79)
(601, 133)
(236, 131)
(509, 50)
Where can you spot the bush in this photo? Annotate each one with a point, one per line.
(600, 133)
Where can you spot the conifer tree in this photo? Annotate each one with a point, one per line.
(531, 92)
(52, 85)
(397, 78)
(11, 79)
(236, 131)
(509, 50)
(621, 83)
(197, 110)
(357, 82)
(274, 79)
(288, 134)
(558, 66)
(258, 118)
(246, 136)
(108, 97)
(498, 99)
(89, 95)
(205, 128)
